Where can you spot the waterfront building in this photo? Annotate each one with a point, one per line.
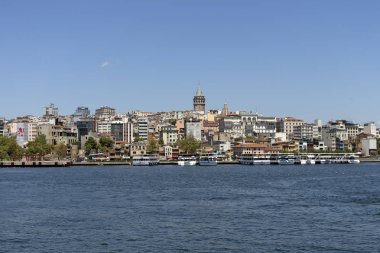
(105, 112)
(224, 147)
(56, 134)
(286, 146)
(320, 146)
(199, 101)
(369, 146)
(167, 153)
(137, 149)
(248, 149)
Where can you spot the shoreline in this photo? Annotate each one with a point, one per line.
(42, 164)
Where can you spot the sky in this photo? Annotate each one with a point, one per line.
(306, 59)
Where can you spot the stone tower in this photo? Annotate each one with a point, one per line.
(199, 101)
(225, 109)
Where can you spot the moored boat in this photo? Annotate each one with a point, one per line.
(187, 160)
(286, 160)
(145, 160)
(208, 160)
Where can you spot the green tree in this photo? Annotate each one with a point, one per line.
(91, 146)
(152, 146)
(189, 144)
(9, 149)
(60, 150)
(137, 139)
(39, 146)
(106, 141)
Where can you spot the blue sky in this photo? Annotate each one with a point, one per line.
(308, 59)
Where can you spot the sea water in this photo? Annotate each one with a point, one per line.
(226, 208)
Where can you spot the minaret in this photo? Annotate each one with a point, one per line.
(199, 101)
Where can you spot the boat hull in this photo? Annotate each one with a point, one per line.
(187, 163)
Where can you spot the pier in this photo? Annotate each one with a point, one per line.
(35, 163)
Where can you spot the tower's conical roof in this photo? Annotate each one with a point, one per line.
(199, 91)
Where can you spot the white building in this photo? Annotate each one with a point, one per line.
(232, 125)
(103, 127)
(143, 128)
(370, 128)
(369, 146)
(32, 131)
(169, 135)
(194, 128)
(254, 124)
(224, 146)
(287, 125)
(304, 132)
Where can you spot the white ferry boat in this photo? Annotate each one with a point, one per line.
(210, 160)
(286, 160)
(262, 160)
(246, 160)
(305, 159)
(310, 159)
(145, 160)
(187, 160)
(255, 160)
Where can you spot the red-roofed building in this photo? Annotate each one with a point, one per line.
(249, 149)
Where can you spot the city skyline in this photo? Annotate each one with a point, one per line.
(303, 59)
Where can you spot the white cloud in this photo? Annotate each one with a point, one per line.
(105, 64)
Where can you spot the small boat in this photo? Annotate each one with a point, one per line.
(187, 161)
(353, 160)
(210, 160)
(145, 160)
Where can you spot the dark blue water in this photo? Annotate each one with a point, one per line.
(322, 208)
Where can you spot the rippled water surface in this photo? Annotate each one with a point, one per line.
(322, 208)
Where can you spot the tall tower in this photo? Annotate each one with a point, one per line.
(225, 109)
(199, 101)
